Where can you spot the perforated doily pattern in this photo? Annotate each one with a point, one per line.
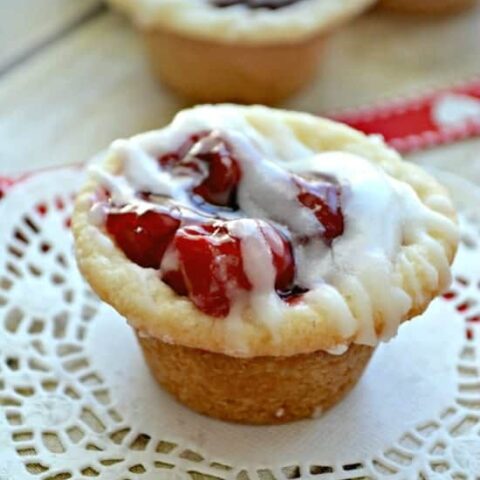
(77, 401)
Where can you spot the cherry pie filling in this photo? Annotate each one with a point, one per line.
(254, 4)
(199, 254)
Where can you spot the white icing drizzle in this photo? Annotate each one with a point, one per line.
(97, 214)
(120, 189)
(259, 269)
(354, 278)
(257, 258)
(339, 349)
(142, 170)
(170, 260)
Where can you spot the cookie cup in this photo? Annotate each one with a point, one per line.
(434, 7)
(238, 54)
(205, 70)
(257, 371)
(258, 390)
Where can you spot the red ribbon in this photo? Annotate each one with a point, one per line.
(445, 116)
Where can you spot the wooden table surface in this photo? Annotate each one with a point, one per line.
(73, 77)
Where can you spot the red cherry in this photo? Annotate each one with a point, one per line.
(142, 237)
(220, 185)
(213, 162)
(210, 262)
(323, 198)
(174, 278)
(169, 160)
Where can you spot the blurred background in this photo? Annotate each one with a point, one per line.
(73, 76)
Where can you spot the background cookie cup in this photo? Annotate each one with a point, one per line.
(435, 7)
(314, 357)
(237, 53)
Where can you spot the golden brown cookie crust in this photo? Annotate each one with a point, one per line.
(427, 7)
(261, 390)
(264, 74)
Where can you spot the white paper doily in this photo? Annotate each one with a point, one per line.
(77, 400)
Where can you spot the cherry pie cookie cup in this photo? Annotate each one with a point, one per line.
(435, 7)
(260, 255)
(247, 51)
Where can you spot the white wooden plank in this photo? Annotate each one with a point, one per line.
(383, 55)
(76, 97)
(25, 24)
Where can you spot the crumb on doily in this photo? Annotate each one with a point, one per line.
(280, 412)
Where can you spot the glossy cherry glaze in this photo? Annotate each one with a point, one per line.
(143, 237)
(292, 295)
(268, 4)
(211, 161)
(208, 266)
(323, 198)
